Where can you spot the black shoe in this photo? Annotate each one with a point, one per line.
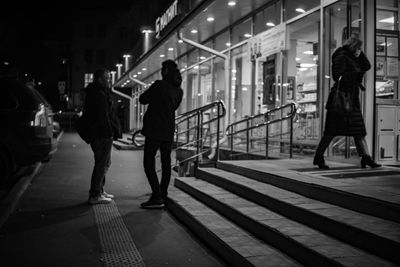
(367, 160)
(153, 203)
(320, 161)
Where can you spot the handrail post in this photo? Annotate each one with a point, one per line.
(187, 130)
(266, 140)
(198, 135)
(218, 125)
(291, 134)
(247, 138)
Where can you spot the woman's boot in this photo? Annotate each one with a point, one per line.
(367, 160)
(320, 161)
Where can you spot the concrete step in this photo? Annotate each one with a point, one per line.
(302, 243)
(235, 245)
(295, 182)
(373, 234)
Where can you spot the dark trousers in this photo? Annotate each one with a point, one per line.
(359, 141)
(101, 148)
(150, 150)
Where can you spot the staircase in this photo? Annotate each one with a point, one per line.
(252, 215)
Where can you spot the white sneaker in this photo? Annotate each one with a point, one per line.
(107, 195)
(99, 200)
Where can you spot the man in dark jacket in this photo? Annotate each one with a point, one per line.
(98, 109)
(162, 98)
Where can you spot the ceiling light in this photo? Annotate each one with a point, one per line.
(193, 31)
(300, 10)
(162, 55)
(180, 41)
(139, 72)
(196, 67)
(144, 69)
(232, 3)
(297, 58)
(270, 24)
(147, 31)
(228, 44)
(387, 20)
(247, 35)
(244, 88)
(308, 52)
(6, 63)
(170, 49)
(210, 19)
(134, 76)
(202, 57)
(307, 65)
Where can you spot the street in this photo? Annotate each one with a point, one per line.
(53, 225)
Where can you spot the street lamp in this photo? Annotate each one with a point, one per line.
(146, 40)
(126, 61)
(118, 70)
(112, 76)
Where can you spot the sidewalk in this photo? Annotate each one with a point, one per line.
(53, 225)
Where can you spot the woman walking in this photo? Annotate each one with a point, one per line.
(349, 65)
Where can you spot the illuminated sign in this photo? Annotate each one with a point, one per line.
(166, 18)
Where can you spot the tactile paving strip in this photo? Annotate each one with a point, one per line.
(118, 248)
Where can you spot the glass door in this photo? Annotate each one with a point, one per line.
(342, 20)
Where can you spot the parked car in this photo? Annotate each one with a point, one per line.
(26, 132)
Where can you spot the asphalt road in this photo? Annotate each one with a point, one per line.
(54, 226)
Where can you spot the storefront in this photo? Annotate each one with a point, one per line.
(257, 55)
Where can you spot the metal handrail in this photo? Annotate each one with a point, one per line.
(198, 113)
(199, 126)
(230, 133)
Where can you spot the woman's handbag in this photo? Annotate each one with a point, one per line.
(339, 101)
(85, 128)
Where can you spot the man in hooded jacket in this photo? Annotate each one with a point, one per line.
(163, 98)
(98, 108)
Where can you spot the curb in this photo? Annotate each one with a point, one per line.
(9, 203)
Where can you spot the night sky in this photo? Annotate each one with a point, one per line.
(25, 27)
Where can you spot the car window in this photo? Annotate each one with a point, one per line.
(25, 98)
(7, 100)
(39, 96)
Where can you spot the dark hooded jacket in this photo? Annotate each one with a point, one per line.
(163, 98)
(98, 110)
(352, 70)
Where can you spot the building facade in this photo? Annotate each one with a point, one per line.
(257, 55)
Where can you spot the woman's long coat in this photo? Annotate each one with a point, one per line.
(352, 70)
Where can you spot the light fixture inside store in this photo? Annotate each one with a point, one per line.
(196, 67)
(247, 35)
(193, 31)
(139, 72)
(270, 24)
(308, 52)
(244, 88)
(171, 49)
(162, 55)
(147, 31)
(228, 44)
(144, 69)
(232, 3)
(297, 58)
(387, 20)
(234, 71)
(180, 41)
(202, 57)
(210, 19)
(300, 10)
(134, 76)
(307, 65)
